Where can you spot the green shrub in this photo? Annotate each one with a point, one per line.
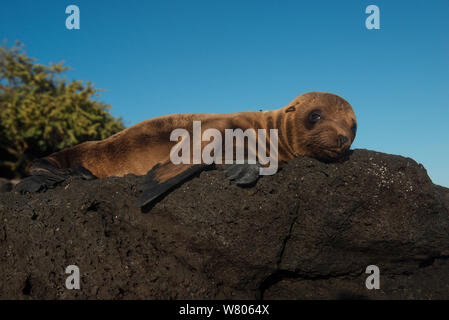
(41, 112)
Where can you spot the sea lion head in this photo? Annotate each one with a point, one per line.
(324, 125)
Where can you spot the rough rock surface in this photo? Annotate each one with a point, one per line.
(5, 185)
(309, 231)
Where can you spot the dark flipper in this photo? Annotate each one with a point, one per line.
(244, 175)
(163, 177)
(81, 172)
(45, 176)
(39, 182)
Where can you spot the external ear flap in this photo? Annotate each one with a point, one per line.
(290, 109)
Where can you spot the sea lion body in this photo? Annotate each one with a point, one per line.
(139, 148)
(316, 124)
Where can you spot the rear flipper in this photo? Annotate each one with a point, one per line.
(163, 177)
(46, 176)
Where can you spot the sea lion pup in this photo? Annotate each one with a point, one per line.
(316, 124)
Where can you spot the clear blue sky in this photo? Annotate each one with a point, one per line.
(160, 57)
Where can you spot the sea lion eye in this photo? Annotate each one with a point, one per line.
(314, 116)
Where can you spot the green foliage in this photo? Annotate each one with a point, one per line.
(41, 112)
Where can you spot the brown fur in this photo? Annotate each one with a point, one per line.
(139, 148)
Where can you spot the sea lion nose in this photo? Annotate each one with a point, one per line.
(342, 139)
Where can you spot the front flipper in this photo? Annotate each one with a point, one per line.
(163, 177)
(244, 174)
(46, 176)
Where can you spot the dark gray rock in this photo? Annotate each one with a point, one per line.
(309, 231)
(5, 185)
